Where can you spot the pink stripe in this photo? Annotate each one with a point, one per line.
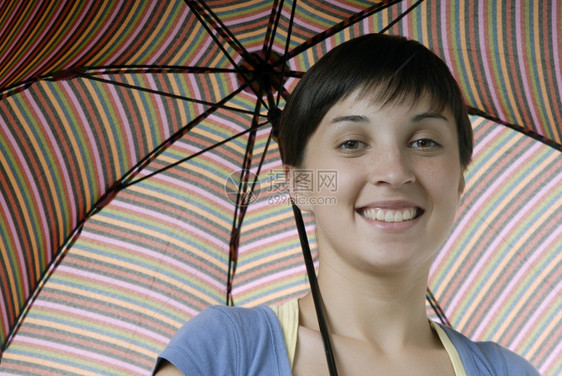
(189, 270)
(271, 239)
(302, 23)
(61, 347)
(553, 358)
(445, 35)
(70, 33)
(17, 244)
(221, 161)
(203, 49)
(91, 46)
(514, 281)
(4, 31)
(250, 19)
(38, 202)
(522, 213)
(54, 147)
(268, 279)
(27, 170)
(485, 60)
(3, 310)
(222, 202)
(175, 223)
(521, 63)
(468, 280)
(555, 43)
(474, 208)
(492, 132)
(92, 140)
(554, 296)
(346, 6)
(30, 49)
(172, 36)
(194, 87)
(93, 316)
(404, 23)
(162, 111)
(124, 124)
(140, 26)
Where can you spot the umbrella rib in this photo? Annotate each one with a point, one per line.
(315, 290)
(16, 88)
(161, 93)
(397, 19)
(241, 206)
(185, 159)
(436, 307)
(526, 131)
(272, 25)
(127, 177)
(131, 69)
(341, 26)
(56, 260)
(236, 231)
(221, 30)
(285, 57)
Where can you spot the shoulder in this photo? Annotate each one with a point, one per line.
(245, 338)
(488, 358)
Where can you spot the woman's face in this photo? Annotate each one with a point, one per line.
(398, 181)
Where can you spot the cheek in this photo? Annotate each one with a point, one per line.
(444, 181)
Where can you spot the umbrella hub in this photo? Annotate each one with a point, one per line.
(263, 73)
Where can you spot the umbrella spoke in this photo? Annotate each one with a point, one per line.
(218, 25)
(243, 198)
(397, 19)
(341, 26)
(223, 31)
(207, 149)
(280, 90)
(131, 69)
(164, 94)
(527, 131)
(436, 307)
(127, 177)
(272, 25)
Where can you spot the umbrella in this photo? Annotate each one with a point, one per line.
(139, 182)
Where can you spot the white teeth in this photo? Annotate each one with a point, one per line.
(390, 216)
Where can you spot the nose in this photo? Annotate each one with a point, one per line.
(391, 167)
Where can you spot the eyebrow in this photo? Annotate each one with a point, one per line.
(351, 119)
(365, 119)
(429, 115)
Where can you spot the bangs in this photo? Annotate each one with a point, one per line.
(406, 84)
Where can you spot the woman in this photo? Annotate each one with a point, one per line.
(385, 114)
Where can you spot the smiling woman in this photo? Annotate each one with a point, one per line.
(386, 115)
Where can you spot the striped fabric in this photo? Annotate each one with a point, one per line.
(98, 94)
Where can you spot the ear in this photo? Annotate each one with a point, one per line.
(299, 196)
(461, 185)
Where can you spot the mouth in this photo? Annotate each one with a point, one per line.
(391, 215)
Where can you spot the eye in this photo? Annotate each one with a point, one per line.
(424, 143)
(351, 145)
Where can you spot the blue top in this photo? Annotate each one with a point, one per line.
(249, 341)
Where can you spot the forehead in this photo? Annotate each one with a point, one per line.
(417, 107)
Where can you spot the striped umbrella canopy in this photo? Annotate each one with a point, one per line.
(139, 182)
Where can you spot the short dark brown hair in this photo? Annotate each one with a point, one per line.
(389, 68)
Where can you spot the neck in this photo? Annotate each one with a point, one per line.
(381, 309)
